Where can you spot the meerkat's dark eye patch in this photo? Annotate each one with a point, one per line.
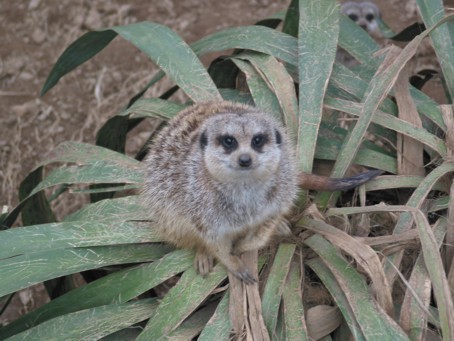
(354, 17)
(370, 17)
(203, 140)
(228, 142)
(258, 141)
(278, 137)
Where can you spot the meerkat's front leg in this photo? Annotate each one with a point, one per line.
(257, 238)
(222, 250)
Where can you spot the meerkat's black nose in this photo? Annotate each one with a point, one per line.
(244, 160)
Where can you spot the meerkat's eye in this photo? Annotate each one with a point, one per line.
(370, 17)
(354, 17)
(258, 141)
(228, 142)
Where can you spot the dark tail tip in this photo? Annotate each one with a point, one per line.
(344, 184)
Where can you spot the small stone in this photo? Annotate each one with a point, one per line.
(14, 65)
(43, 115)
(25, 108)
(33, 4)
(65, 116)
(117, 76)
(124, 10)
(79, 19)
(93, 20)
(38, 36)
(26, 76)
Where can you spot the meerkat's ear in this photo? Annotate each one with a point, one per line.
(203, 140)
(278, 136)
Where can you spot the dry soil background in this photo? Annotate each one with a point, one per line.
(35, 32)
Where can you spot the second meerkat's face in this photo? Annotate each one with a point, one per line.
(364, 13)
(242, 147)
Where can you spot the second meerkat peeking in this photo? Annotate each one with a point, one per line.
(365, 14)
(221, 178)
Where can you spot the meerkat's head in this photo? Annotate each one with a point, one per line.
(241, 147)
(364, 13)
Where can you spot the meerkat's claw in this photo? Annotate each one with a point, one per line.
(245, 275)
(203, 263)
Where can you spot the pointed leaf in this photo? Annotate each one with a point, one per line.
(55, 236)
(275, 284)
(158, 42)
(118, 287)
(432, 11)
(111, 210)
(295, 325)
(318, 33)
(91, 324)
(219, 326)
(23, 271)
(181, 301)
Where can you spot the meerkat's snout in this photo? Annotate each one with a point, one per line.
(367, 22)
(245, 160)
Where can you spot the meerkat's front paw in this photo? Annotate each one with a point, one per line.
(203, 263)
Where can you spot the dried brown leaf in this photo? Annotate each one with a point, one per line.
(415, 307)
(236, 304)
(245, 306)
(364, 255)
(254, 303)
(407, 236)
(409, 150)
(322, 320)
(447, 112)
(434, 265)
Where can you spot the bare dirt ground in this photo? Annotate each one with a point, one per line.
(35, 32)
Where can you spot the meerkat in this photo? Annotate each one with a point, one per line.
(364, 13)
(221, 177)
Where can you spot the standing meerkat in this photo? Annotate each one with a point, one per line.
(221, 179)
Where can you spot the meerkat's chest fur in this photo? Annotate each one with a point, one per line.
(233, 207)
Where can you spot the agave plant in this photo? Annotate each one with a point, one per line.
(327, 282)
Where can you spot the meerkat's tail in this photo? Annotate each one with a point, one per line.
(324, 183)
